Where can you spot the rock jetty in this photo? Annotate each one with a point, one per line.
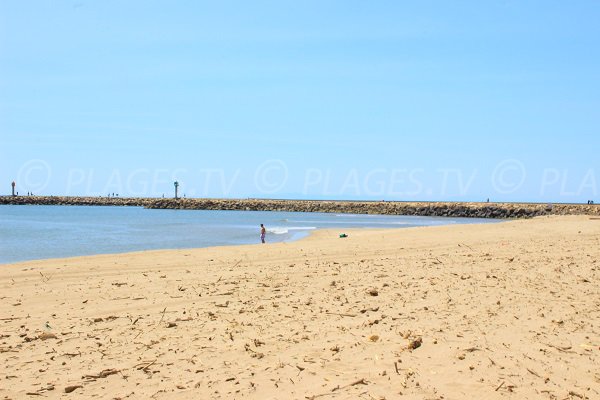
(76, 201)
(432, 209)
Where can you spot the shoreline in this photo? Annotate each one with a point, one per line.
(272, 239)
(432, 209)
(307, 235)
(460, 311)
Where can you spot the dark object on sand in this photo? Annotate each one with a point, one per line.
(415, 344)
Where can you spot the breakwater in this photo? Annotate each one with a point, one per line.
(432, 209)
(76, 201)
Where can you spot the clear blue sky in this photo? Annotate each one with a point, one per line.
(422, 100)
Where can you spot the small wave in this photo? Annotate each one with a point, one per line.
(373, 224)
(279, 230)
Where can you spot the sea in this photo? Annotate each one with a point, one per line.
(42, 232)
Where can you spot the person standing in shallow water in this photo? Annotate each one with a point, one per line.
(263, 233)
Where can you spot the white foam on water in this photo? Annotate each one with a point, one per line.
(279, 230)
(369, 223)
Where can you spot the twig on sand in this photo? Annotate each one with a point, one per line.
(44, 277)
(498, 388)
(466, 245)
(159, 322)
(318, 395)
(358, 382)
(163, 316)
(564, 349)
(362, 381)
(144, 366)
(40, 391)
(102, 374)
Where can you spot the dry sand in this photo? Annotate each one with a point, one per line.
(495, 311)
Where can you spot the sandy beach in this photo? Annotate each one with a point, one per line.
(492, 311)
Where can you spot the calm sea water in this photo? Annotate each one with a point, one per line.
(40, 232)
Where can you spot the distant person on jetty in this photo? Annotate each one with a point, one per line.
(263, 233)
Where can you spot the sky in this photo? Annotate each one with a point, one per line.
(379, 100)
